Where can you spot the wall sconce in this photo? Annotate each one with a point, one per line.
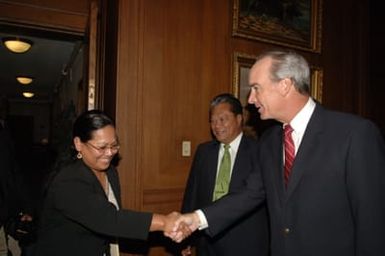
(28, 94)
(17, 45)
(24, 79)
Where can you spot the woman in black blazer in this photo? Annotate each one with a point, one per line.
(82, 213)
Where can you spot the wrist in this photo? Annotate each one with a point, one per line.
(158, 222)
(200, 219)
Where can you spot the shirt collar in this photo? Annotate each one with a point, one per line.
(300, 121)
(235, 143)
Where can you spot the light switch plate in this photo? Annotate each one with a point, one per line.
(186, 148)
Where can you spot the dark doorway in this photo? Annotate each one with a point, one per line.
(41, 126)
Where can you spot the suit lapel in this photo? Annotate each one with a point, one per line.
(212, 162)
(270, 156)
(276, 163)
(239, 165)
(309, 141)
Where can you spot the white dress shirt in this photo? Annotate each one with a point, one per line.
(300, 121)
(234, 145)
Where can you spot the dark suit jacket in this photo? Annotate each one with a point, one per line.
(249, 235)
(334, 203)
(77, 218)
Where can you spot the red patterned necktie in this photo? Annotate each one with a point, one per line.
(289, 151)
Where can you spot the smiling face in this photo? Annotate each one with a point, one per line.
(225, 125)
(265, 94)
(100, 149)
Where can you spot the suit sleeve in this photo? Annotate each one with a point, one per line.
(366, 188)
(80, 200)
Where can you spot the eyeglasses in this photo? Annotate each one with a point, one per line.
(102, 150)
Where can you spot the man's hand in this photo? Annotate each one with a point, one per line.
(176, 231)
(184, 225)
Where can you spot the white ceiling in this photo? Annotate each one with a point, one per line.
(45, 62)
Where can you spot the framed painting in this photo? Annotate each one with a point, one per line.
(242, 64)
(241, 67)
(294, 24)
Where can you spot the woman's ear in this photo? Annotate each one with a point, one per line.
(78, 144)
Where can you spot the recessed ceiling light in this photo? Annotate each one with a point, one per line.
(24, 79)
(28, 94)
(17, 45)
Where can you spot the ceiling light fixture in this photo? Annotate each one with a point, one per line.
(28, 94)
(24, 79)
(17, 45)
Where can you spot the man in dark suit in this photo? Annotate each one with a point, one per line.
(250, 233)
(332, 201)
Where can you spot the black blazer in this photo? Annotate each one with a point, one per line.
(77, 218)
(249, 234)
(334, 203)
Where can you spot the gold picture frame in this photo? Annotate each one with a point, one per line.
(316, 83)
(242, 64)
(296, 25)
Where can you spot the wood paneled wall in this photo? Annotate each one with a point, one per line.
(174, 56)
(69, 15)
(171, 57)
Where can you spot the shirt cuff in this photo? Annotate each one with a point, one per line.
(203, 224)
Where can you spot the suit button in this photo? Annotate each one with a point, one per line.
(286, 231)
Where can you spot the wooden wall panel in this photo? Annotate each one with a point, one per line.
(68, 15)
(168, 52)
(81, 6)
(129, 101)
(177, 52)
(174, 56)
(334, 56)
(162, 200)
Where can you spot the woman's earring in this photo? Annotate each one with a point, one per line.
(79, 155)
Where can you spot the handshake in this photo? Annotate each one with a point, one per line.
(175, 225)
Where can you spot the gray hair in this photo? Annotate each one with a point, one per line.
(289, 65)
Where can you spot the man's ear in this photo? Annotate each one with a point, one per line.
(240, 119)
(285, 85)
